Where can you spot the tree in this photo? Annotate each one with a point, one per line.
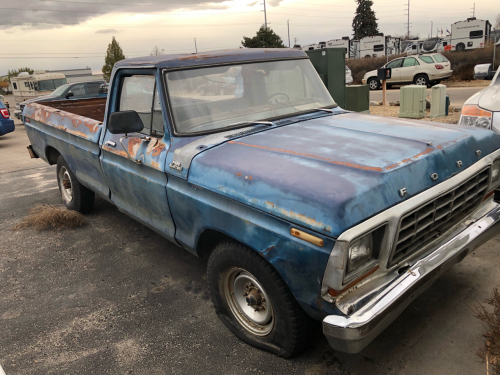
(364, 22)
(15, 73)
(113, 55)
(156, 51)
(497, 22)
(265, 38)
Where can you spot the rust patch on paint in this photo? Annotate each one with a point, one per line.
(269, 203)
(238, 174)
(299, 217)
(117, 152)
(266, 252)
(427, 151)
(346, 164)
(133, 145)
(250, 178)
(158, 149)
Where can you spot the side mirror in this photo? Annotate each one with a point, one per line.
(125, 122)
(69, 95)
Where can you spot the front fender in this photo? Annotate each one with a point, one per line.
(300, 263)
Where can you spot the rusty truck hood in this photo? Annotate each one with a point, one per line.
(330, 173)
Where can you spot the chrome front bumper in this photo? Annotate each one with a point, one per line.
(350, 334)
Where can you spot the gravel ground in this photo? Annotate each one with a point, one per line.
(390, 111)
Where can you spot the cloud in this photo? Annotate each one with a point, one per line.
(106, 31)
(274, 3)
(252, 4)
(51, 14)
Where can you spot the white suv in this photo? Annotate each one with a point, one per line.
(424, 70)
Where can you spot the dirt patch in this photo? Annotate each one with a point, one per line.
(490, 353)
(44, 216)
(452, 117)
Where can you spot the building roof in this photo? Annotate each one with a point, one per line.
(212, 57)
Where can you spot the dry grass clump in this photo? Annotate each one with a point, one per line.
(360, 66)
(463, 63)
(43, 216)
(490, 353)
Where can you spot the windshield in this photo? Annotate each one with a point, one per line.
(209, 99)
(59, 91)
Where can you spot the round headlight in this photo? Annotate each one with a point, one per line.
(483, 122)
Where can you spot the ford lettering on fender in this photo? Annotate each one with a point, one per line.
(306, 211)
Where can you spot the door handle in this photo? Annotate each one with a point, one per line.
(110, 144)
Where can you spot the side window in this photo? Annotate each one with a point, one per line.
(414, 47)
(427, 59)
(378, 48)
(139, 93)
(79, 89)
(445, 44)
(93, 88)
(411, 61)
(26, 84)
(395, 64)
(476, 34)
(15, 86)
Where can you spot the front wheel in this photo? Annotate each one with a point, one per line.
(421, 80)
(254, 302)
(75, 196)
(374, 84)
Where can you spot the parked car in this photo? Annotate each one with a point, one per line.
(5, 102)
(79, 90)
(304, 210)
(348, 76)
(425, 70)
(482, 109)
(6, 123)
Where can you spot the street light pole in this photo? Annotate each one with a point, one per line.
(288, 25)
(265, 14)
(195, 47)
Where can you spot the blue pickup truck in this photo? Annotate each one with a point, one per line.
(305, 211)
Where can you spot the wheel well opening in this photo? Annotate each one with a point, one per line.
(208, 240)
(52, 155)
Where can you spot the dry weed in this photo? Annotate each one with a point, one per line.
(490, 353)
(44, 216)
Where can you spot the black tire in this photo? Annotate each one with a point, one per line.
(75, 196)
(421, 80)
(460, 47)
(373, 83)
(288, 330)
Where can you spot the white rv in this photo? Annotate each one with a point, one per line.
(339, 43)
(469, 34)
(412, 46)
(26, 86)
(309, 47)
(392, 45)
(372, 46)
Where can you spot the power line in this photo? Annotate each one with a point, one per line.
(82, 11)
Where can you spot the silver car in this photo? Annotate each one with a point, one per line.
(482, 110)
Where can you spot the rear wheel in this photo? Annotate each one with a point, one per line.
(421, 80)
(373, 83)
(254, 302)
(75, 196)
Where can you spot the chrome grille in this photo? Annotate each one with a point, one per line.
(426, 223)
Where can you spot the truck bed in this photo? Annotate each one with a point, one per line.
(91, 108)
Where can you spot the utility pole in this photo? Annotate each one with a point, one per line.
(288, 25)
(295, 42)
(474, 10)
(265, 14)
(408, 23)
(195, 47)
(431, 29)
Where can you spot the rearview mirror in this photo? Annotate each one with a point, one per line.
(69, 95)
(125, 122)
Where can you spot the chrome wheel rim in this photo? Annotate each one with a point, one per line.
(421, 82)
(373, 84)
(65, 184)
(248, 301)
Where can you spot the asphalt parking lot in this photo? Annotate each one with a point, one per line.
(113, 297)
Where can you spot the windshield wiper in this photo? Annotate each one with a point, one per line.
(268, 123)
(330, 110)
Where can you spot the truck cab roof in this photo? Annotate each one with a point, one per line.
(211, 57)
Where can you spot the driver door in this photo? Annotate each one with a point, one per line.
(135, 166)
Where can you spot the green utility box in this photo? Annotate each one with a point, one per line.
(330, 65)
(357, 98)
(412, 101)
(438, 101)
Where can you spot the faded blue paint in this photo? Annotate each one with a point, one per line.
(318, 172)
(331, 173)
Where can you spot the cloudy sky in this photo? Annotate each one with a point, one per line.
(69, 34)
